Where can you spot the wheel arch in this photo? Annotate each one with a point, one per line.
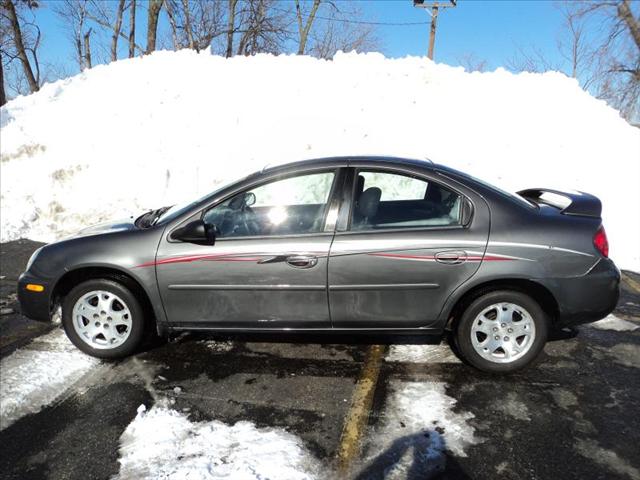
(535, 290)
(76, 276)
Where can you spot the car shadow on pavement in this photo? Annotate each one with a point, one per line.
(417, 456)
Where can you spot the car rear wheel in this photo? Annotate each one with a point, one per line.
(502, 331)
(103, 318)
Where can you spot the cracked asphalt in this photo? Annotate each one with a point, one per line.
(572, 415)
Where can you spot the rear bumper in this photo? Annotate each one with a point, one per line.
(34, 305)
(588, 298)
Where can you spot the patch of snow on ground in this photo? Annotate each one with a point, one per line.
(175, 125)
(163, 443)
(421, 354)
(611, 322)
(417, 427)
(219, 346)
(32, 378)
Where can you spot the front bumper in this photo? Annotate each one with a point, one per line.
(34, 305)
(588, 298)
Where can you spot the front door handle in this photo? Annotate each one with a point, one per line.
(302, 261)
(451, 258)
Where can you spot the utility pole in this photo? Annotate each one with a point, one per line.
(435, 7)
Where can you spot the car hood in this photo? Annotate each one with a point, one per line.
(120, 225)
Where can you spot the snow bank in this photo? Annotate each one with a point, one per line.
(171, 126)
(163, 443)
(34, 376)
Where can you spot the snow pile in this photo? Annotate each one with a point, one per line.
(418, 426)
(421, 354)
(33, 378)
(171, 126)
(611, 322)
(162, 443)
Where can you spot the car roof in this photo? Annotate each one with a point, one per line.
(350, 160)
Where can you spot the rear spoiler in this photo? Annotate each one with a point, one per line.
(580, 203)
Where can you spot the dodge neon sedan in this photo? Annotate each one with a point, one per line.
(348, 245)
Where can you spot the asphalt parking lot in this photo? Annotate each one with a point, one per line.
(299, 408)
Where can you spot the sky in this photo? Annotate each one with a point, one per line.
(492, 31)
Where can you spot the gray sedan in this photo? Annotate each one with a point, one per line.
(348, 245)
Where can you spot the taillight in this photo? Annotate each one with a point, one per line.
(600, 242)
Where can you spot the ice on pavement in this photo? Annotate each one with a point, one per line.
(32, 377)
(145, 132)
(162, 443)
(611, 322)
(417, 427)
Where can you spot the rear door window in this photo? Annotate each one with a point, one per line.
(390, 200)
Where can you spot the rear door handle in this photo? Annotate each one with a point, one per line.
(451, 258)
(302, 261)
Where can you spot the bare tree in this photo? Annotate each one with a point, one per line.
(24, 41)
(231, 21)
(132, 29)
(87, 49)
(152, 24)
(3, 94)
(303, 29)
(116, 31)
(264, 27)
(342, 29)
(614, 51)
(74, 14)
(471, 63)
(102, 15)
(531, 60)
(194, 24)
(187, 24)
(573, 48)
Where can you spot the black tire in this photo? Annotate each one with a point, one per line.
(464, 326)
(137, 318)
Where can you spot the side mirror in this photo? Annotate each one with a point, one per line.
(249, 198)
(197, 232)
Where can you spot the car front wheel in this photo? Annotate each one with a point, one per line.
(502, 331)
(103, 318)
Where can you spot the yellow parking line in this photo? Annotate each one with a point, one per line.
(634, 284)
(358, 414)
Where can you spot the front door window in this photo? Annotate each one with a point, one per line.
(291, 206)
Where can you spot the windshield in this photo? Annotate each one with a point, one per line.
(179, 208)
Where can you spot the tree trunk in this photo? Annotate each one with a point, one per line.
(87, 49)
(78, 42)
(187, 24)
(231, 27)
(3, 95)
(304, 31)
(132, 29)
(172, 23)
(152, 24)
(116, 31)
(19, 44)
(625, 14)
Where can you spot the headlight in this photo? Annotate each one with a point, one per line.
(32, 259)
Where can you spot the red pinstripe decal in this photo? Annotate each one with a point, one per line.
(225, 257)
(470, 258)
(219, 257)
